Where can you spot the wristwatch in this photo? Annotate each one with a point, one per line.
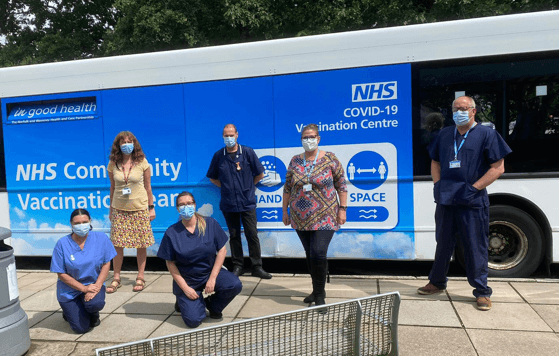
(343, 207)
(151, 207)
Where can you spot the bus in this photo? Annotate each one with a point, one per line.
(378, 97)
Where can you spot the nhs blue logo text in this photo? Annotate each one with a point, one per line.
(374, 91)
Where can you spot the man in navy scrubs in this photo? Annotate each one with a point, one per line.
(466, 158)
(236, 170)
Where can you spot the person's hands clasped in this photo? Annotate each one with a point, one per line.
(191, 293)
(286, 219)
(92, 288)
(90, 295)
(341, 218)
(210, 286)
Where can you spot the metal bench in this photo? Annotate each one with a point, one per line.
(363, 326)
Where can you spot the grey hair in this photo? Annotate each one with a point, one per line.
(312, 127)
(472, 102)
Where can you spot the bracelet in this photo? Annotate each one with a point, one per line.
(343, 207)
(150, 207)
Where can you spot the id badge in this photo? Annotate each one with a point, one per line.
(455, 164)
(307, 187)
(126, 191)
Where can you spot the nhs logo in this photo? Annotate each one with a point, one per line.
(374, 91)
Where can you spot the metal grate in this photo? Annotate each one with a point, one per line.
(364, 326)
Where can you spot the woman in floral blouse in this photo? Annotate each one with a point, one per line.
(315, 191)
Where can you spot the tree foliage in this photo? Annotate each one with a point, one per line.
(38, 31)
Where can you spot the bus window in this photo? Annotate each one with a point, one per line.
(2, 165)
(533, 125)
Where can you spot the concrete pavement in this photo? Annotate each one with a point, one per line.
(524, 319)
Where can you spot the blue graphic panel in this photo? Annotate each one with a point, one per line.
(55, 163)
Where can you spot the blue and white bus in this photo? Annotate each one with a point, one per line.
(374, 94)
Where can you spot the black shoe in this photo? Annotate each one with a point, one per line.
(213, 315)
(309, 299)
(238, 271)
(95, 321)
(259, 272)
(177, 309)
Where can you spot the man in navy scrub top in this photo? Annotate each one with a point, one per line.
(194, 251)
(236, 170)
(466, 158)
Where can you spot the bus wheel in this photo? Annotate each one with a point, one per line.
(515, 242)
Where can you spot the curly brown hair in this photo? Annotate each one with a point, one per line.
(116, 154)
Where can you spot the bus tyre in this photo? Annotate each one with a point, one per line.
(515, 243)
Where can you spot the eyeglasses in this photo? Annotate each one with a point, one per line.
(462, 108)
(309, 137)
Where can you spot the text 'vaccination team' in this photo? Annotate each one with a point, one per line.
(466, 158)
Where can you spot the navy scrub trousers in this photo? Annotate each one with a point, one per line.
(79, 313)
(471, 225)
(227, 287)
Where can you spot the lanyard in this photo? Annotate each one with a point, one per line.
(129, 172)
(308, 174)
(461, 143)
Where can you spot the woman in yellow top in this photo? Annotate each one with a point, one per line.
(132, 206)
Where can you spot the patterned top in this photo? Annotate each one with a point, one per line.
(316, 209)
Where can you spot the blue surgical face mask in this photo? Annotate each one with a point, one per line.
(229, 141)
(127, 148)
(187, 211)
(461, 118)
(81, 229)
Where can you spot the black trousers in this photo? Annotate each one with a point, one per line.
(248, 219)
(315, 243)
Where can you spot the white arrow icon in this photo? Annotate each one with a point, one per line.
(372, 170)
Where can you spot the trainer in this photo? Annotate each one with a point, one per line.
(236, 170)
(466, 158)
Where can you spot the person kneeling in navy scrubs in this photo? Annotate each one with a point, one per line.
(194, 250)
(82, 260)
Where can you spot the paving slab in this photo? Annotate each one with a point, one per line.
(115, 300)
(427, 313)
(50, 348)
(550, 314)
(249, 285)
(163, 284)
(350, 288)
(258, 306)
(285, 287)
(502, 316)
(514, 343)
(538, 293)
(53, 328)
(21, 274)
(235, 307)
(34, 318)
(502, 292)
(149, 303)
(41, 301)
(408, 289)
(433, 341)
(37, 281)
(26, 293)
(88, 348)
(121, 328)
(174, 324)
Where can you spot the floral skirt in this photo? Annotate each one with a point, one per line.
(131, 229)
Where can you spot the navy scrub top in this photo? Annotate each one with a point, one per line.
(482, 147)
(82, 265)
(238, 192)
(193, 254)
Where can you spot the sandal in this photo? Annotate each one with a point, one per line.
(139, 283)
(115, 284)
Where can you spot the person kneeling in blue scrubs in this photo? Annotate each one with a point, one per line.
(82, 260)
(194, 250)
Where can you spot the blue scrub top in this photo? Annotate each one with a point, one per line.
(482, 147)
(193, 254)
(82, 265)
(238, 192)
